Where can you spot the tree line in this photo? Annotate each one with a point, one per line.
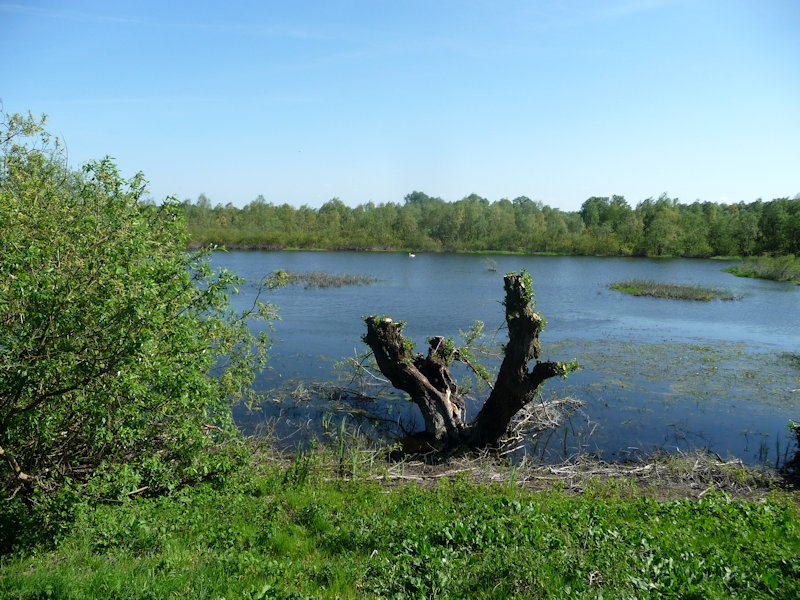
(605, 226)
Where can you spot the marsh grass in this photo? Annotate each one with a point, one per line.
(655, 289)
(320, 279)
(776, 268)
(297, 526)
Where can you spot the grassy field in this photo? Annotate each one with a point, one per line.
(348, 526)
(655, 289)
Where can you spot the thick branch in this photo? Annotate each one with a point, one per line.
(426, 379)
(429, 382)
(516, 385)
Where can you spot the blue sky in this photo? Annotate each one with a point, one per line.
(369, 100)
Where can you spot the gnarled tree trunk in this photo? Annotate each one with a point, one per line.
(428, 381)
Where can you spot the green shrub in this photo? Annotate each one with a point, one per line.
(120, 356)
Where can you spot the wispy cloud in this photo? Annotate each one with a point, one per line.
(64, 15)
(585, 12)
(255, 29)
(184, 100)
(626, 8)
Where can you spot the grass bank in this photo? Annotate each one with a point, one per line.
(345, 525)
(655, 289)
(776, 268)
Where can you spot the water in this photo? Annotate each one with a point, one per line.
(657, 374)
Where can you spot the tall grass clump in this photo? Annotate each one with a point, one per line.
(320, 279)
(655, 289)
(777, 268)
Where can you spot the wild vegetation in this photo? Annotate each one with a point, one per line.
(119, 354)
(309, 528)
(319, 279)
(605, 226)
(657, 289)
(122, 473)
(777, 268)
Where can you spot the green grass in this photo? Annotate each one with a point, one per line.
(298, 531)
(655, 289)
(776, 268)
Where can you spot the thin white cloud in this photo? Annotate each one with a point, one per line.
(65, 15)
(583, 12)
(229, 27)
(626, 8)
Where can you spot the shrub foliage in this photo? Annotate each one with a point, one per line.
(120, 356)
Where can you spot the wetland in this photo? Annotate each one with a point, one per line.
(657, 375)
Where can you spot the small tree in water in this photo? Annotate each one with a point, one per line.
(429, 383)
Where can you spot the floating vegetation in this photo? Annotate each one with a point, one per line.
(792, 359)
(655, 289)
(675, 372)
(776, 268)
(320, 279)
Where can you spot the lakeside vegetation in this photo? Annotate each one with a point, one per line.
(672, 291)
(122, 473)
(779, 268)
(604, 226)
(345, 524)
(120, 354)
(320, 279)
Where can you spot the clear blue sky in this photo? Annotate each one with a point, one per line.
(370, 100)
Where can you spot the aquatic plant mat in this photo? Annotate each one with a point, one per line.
(702, 371)
(640, 398)
(342, 522)
(655, 289)
(320, 279)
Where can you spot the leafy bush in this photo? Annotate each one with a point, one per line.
(120, 356)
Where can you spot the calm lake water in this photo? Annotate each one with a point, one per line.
(657, 374)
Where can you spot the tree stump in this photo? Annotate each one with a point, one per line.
(431, 386)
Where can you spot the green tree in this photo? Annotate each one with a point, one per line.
(120, 356)
(694, 228)
(662, 233)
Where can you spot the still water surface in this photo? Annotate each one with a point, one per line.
(657, 374)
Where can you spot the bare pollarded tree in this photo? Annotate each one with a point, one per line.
(427, 379)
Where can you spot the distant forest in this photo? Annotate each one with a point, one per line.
(603, 227)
